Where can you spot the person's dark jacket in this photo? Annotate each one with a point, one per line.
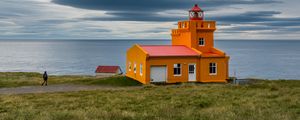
(45, 76)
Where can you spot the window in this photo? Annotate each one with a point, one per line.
(192, 69)
(201, 42)
(134, 68)
(177, 69)
(212, 68)
(141, 69)
(129, 66)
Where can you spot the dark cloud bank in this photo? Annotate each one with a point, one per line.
(147, 10)
(152, 5)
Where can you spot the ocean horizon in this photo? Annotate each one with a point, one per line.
(264, 59)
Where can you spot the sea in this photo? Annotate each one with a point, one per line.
(264, 59)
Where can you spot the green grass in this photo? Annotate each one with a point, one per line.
(262, 100)
(16, 79)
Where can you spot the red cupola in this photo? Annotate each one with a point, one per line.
(196, 13)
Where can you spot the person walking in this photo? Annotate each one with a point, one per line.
(45, 77)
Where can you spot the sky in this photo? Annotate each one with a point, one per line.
(145, 19)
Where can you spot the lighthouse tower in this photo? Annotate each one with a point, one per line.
(196, 32)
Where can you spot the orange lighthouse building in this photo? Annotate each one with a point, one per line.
(192, 56)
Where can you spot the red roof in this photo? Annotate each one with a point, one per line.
(169, 50)
(107, 69)
(211, 54)
(196, 8)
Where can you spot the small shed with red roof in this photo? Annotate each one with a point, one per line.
(104, 71)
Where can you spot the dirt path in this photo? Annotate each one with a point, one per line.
(58, 88)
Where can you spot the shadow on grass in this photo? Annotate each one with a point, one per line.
(110, 81)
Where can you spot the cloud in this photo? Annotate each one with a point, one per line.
(42, 19)
(257, 16)
(142, 18)
(156, 30)
(151, 5)
(258, 22)
(147, 10)
(254, 17)
(126, 16)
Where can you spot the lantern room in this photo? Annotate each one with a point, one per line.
(196, 13)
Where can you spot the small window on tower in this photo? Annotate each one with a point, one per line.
(201, 41)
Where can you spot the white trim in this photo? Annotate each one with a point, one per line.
(195, 71)
(166, 72)
(176, 75)
(141, 69)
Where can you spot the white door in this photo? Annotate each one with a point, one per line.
(158, 74)
(192, 72)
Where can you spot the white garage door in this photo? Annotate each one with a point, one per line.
(158, 74)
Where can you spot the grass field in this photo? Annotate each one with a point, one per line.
(16, 79)
(261, 100)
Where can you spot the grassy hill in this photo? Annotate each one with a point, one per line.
(261, 100)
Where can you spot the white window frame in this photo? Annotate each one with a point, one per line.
(141, 69)
(213, 66)
(134, 68)
(129, 66)
(199, 41)
(176, 66)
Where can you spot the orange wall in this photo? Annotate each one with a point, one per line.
(209, 41)
(222, 69)
(136, 55)
(202, 68)
(181, 39)
(169, 62)
(189, 32)
(202, 29)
